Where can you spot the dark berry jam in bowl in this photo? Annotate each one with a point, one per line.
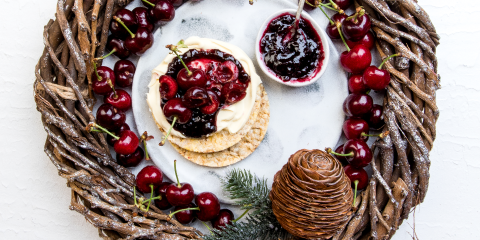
(297, 61)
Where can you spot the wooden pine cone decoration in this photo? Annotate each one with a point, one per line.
(311, 195)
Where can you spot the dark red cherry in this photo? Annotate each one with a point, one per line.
(163, 11)
(119, 99)
(361, 155)
(143, 18)
(124, 73)
(139, 43)
(224, 218)
(356, 105)
(212, 105)
(356, 60)
(233, 92)
(168, 87)
(128, 18)
(342, 4)
(131, 160)
(195, 97)
(163, 203)
(332, 30)
(356, 85)
(118, 46)
(111, 140)
(375, 117)
(100, 83)
(197, 78)
(110, 117)
(179, 194)
(357, 174)
(308, 6)
(376, 79)
(342, 159)
(127, 143)
(368, 41)
(175, 108)
(187, 216)
(209, 206)
(355, 128)
(226, 72)
(216, 88)
(354, 28)
(149, 177)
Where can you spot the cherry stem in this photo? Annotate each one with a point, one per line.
(183, 63)
(150, 200)
(89, 128)
(149, 3)
(109, 81)
(206, 226)
(243, 214)
(183, 210)
(336, 8)
(144, 138)
(386, 59)
(355, 196)
(381, 135)
(108, 55)
(96, 72)
(123, 24)
(339, 28)
(350, 154)
(176, 175)
(326, 15)
(168, 133)
(155, 198)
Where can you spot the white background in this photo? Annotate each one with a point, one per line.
(34, 200)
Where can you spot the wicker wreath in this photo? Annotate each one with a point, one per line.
(102, 189)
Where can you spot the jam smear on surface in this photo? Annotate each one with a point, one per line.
(297, 59)
(212, 62)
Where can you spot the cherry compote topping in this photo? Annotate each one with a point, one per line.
(221, 69)
(298, 58)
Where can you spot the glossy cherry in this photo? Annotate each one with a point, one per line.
(356, 26)
(103, 78)
(213, 104)
(139, 42)
(377, 78)
(375, 117)
(195, 97)
(117, 48)
(175, 111)
(119, 99)
(186, 216)
(124, 72)
(110, 117)
(356, 104)
(209, 206)
(128, 18)
(131, 160)
(168, 87)
(233, 92)
(332, 30)
(342, 4)
(357, 174)
(224, 218)
(143, 18)
(360, 154)
(179, 194)
(356, 85)
(127, 143)
(368, 41)
(226, 72)
(148, 178)
(342, 159)
(309, 5)
(356, 60)
(161, 191)
(355, 128)
(161, 11)
(194, 78)
(111, 140)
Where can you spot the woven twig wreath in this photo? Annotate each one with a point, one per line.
(102, 189)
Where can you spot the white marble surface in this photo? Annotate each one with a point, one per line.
(34, 200)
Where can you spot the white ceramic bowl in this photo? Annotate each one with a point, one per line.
(323, 39)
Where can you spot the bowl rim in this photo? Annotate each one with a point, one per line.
(323, 38)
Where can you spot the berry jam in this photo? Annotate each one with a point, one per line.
(298, 59)
(209, 61)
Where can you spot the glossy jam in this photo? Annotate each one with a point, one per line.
(298, 59)
(204, 124)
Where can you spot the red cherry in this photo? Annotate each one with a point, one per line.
(143, 18)
(102, 77)
(360, 153)
(163, 11)
(208, 205)
(342, 4)
(227, 72)
(342, 159)
(357, 174)
(149, 177)
(356, 105)
(119, 99)
(375, 117)
(128, 18)
(356, 85)
(212, 105)
(356, 60)
(197, 78)
(117, 46)
(162, 203)
(175, 108)
(111, 140)
(356, 26)
(127, 143)
(131, 160)
(186, 216)
(308, 6)
(139, 43)
(195, 97)
(332, 30)
(110, 117)
(233, 92)
(225, 217)
(124, 73)
(168, 87)
(179, 194)
(355, 128)
(376, 79)
(368, 41)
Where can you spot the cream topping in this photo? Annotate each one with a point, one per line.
(232, 117)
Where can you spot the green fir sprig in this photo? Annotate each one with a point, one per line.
(251, 193)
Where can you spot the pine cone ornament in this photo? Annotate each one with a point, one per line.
(311, 195)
